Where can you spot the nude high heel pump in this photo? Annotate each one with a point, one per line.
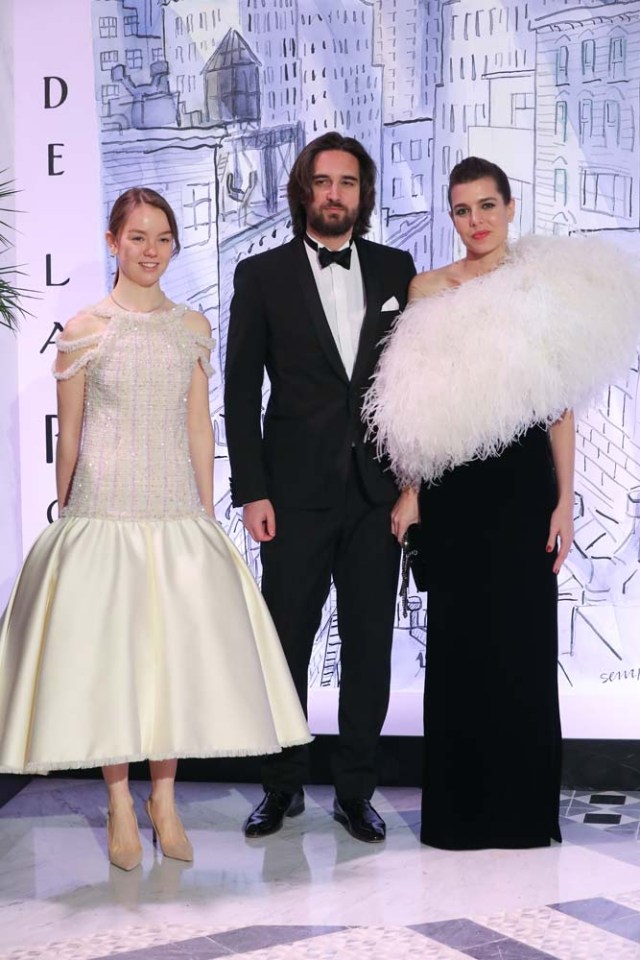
(179, 849)
(128, 855)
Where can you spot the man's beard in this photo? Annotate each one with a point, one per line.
(333, 227)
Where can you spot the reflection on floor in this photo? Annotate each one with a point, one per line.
(311, 891)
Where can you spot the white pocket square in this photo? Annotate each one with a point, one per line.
(390, 304)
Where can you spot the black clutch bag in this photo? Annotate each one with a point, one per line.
(413, 560)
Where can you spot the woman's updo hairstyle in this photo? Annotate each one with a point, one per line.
(475, 168)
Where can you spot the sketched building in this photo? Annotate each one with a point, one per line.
(127, 36)
(232, 82)
(588, 156)
(587, 178)
(192, 29)
(407, 47)
(342, 86)
(271, 29)
(480, 44)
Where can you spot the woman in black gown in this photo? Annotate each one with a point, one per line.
(492, 727)
(494, 534)
(472, 404)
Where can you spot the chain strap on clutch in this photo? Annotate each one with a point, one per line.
(407, 556)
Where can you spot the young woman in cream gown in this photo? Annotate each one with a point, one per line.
(135, 630)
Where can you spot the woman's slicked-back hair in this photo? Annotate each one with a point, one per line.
(475, 168)
(299, 188)
(127, 203)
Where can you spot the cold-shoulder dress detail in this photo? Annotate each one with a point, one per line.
(135, 629)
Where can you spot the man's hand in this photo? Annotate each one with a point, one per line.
(404, 513)
(259, 519)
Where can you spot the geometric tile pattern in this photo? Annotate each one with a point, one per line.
(312, 857)
(605, 810)
(605, 914)
(592, 929)
(562, 935)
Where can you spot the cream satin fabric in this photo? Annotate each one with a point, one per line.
(126, 640)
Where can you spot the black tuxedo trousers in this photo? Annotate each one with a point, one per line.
(352, 543)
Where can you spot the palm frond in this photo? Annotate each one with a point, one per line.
(7, 189)
(12, 308)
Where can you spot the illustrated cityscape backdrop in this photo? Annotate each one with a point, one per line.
(210, 102)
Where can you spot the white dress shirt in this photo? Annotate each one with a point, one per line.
(342, 296)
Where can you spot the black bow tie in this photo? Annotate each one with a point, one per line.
(327, 257)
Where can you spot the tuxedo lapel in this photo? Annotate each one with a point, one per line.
(313, 307)
(369, 331)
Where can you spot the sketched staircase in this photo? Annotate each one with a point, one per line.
(331, 663)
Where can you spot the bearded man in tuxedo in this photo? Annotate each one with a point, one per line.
(312, 314)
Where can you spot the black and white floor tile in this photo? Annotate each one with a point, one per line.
(311, 891)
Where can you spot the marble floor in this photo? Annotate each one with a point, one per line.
(311, 891)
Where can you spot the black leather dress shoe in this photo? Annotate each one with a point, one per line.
(360, 820)
(273, 808)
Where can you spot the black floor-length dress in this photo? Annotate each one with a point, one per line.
(492, 728)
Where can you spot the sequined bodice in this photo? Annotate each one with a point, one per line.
(134, 459)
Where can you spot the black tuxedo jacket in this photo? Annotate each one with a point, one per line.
(301, 457)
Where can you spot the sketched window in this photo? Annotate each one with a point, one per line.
(108, 59)
(108, 91)
(612, 121)
(130, 26)
(617, 57)
(560, 128)
(562, 65)
(560, 187)
(560, 226)
(417, 185)
(396, 187)
(190, 23)
(157, 54)
(522, 110)
(179, 26)
(586, 120)
(588, 57)
(134, 59)
(396, 152)
(415, 149)
(605, 192)
(108, 27)
(196, 213)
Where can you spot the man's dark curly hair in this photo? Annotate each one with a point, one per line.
(299, 188)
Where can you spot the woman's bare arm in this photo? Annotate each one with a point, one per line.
(199, 426)
(70, 398)
(563, 446)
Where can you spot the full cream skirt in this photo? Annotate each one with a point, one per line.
(131, 640)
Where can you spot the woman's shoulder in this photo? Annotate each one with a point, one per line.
(197, 323)
(432, 282)
(85, 323)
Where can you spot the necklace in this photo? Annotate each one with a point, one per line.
(127, 310)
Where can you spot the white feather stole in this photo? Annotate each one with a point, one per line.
(466, 372)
